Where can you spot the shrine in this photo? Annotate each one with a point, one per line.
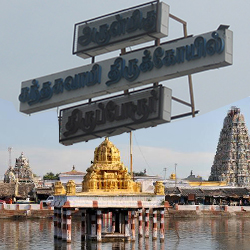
(231, 162)
(21, 172)
(108, 191)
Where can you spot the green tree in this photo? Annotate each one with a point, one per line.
(139, 173)
(51, 176)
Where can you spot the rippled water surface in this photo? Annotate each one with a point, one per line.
(201, 233)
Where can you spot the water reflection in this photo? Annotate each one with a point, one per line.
(200, 233)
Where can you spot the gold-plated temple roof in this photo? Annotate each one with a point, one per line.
(108, 173)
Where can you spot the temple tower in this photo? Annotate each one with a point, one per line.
(108, 173)
(21, 172)
(232, 162)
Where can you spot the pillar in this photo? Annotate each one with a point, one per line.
(113, 221)
(99, 226)
(93, 225)
(140, 223)
(132, 225)
(63, 225)
(59, 223)
(121, 218)
(55, 222)
(68, 225)
(83, 226)
(162, 226)
(154, 231)
(127, 234)
(104, 215)
(146, 223)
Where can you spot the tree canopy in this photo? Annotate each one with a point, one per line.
(141, 173)
(51, 176)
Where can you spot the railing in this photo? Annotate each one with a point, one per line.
(226, 208)
(12, 207)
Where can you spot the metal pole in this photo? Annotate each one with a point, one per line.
(123, 52)
(175, 165)
(131, 156)
(165, 170)
(190, 83)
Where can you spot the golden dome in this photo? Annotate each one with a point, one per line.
(107, 153)
(107, 173)
(172, 177)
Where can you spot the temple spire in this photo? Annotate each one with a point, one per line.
(231, 162)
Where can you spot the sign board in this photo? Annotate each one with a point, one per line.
(121, 29)
(116, 115)
(154, 64)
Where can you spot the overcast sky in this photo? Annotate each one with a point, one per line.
(36, 40)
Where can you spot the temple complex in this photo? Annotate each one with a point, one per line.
(21, 172)
(231, 162)
(107, 189)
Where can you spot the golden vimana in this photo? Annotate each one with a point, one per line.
(106, 174)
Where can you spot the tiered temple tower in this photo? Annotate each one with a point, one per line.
(107, 173)
(21, 172)
(232, 161)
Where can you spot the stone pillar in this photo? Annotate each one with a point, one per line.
(93, 225)
(121, 217)
(162, 226)
(154, 231)
(140, 223)
(59, 223)
(55, 222)
(99, 226)
(64, 226)
(127, 234)
(104, 219)
(146, 223)
(68, 225)
(132, 225)
(83, 226)
(113, 221)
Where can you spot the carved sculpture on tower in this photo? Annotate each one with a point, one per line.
(21, 172)
(107, 173)
(232, 159)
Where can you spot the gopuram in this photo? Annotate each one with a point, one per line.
(20, 173)
(231, 162)
(107, 188)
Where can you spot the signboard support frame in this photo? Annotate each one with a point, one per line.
(190, 82)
